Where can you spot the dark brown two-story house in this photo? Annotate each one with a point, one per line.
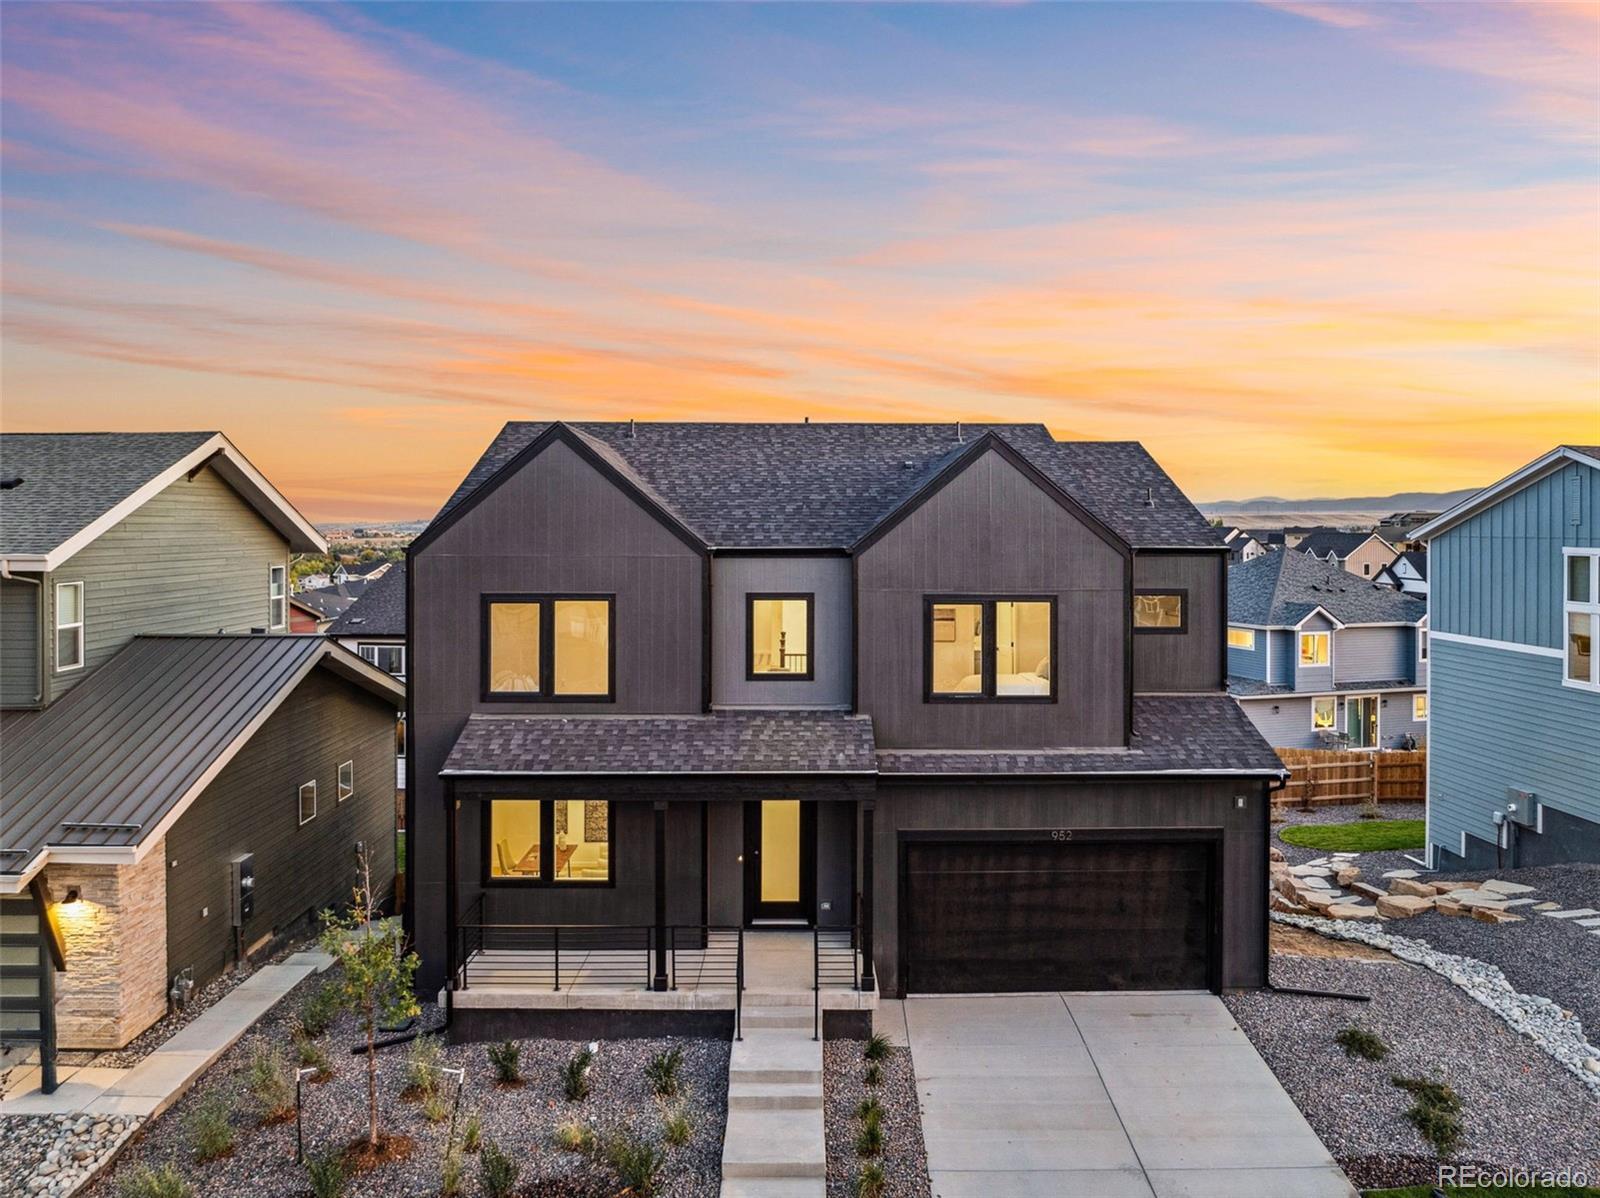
(959, 686)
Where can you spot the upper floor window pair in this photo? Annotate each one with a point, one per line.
(990, 648)
(540, 647)
(1581, 608)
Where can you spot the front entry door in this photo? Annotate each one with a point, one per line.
(780, 856)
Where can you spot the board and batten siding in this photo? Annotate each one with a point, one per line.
(1373, 655)
(1191, 660)
(733, 580)
(1501, 719)
(1498, 576)
(1250, 663)
(19, 643)
(194, 559)
(992, 531)
(252, 806)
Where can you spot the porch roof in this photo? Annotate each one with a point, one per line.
(756, 742)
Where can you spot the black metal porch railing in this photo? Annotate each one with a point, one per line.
(619, 956)
(835, 964)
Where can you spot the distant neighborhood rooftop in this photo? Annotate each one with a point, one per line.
(1340, 544)
(330, 601)
(1280, 590)
(380, 609)
(827, 485)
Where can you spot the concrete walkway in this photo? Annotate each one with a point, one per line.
(1105, 1096)
(156, 1082)
(773, 1146)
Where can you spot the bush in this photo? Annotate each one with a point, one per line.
(423, 1061)
(877, 1047)
(505, 1057)
(450, 1174)
(497, 1171)
(870, 1182)
(637, 1164)
(313, 1056)
(435, 1106)
(318, 1010)
(1435, 1112)
(576, 1137)
(1358, 1042)
(874, 1073)
(869, 1141)
(270, 1083)
(663, 1071)
(676, 1126)
(472, 1132)
(575, 1075)
(144, 1182)
(327, 1175)
(210, 1132)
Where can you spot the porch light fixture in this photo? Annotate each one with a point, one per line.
(73, 896)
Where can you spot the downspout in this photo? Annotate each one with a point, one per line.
(38, 637)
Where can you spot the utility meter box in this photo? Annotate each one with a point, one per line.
(1522, 807)
(243, 889)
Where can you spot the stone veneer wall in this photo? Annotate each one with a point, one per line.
(115, 984)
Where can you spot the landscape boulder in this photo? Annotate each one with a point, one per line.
(1407, 886)
(1404, 906)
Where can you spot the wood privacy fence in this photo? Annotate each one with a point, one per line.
(1319, 777)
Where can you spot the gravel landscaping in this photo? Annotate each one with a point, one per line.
(1519, 1107)
(904, 1159)
(521, 1121)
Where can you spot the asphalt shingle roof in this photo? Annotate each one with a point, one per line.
(764, 742)
(1171, 734)
(1343, 544)
(1281, 589)
(380, 610)
(1254, 688)
(332, 600)
(826, 485)
(129, 741)
(69, 480)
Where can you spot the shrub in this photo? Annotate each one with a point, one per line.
(1435, 1112)
(676, 1126)
(435, 1106)
(210, 1132)
(327, 1174)
(270, 1083)
(663, 1071)
(145, 1182)
(505, 1057)
(874, 1073)
(450, 1174)
(318, 1010)
(637, 1164)
(1358, 1042)
(869, 1141)
(423, 1061)
(497, 1171)
(575, 1075)
(472, 1132)
(313, 1056)
(870, 1182)
(576, 1137)
(877, 1047)
(869, 1108)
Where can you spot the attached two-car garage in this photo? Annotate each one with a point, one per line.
(1052, 910)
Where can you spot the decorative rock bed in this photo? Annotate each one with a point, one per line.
(904, 1160)
(50, 1155)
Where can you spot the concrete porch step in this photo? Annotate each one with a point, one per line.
(784, 1144)
(773, 1187)
(776, 1055)
(797, 1017)
(774, 1096)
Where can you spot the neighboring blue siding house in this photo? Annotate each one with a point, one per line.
(1514, 590)
(1319, 658)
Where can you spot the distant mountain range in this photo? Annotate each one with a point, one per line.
(1274, 510)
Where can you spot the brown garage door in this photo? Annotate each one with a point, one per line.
(1006, 915)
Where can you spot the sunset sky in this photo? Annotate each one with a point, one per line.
(1295, 248)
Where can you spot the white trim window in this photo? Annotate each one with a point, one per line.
(1324, 713)
(1422, 646)
(1419, 709)
(1242, 638)
(391, 659)
(69, 626)
(277, 597)
(1316, 649)
(308, 802)
(1581, 618)
(347, 780)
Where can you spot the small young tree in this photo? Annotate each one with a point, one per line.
(374, 982)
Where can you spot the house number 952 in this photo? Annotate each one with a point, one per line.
(1061, 834)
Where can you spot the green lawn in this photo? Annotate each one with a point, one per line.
(1359, 836)
(1489, 1192)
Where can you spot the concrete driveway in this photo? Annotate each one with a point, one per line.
(1105, 1096)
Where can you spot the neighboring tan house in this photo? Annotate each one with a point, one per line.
(1514, 599)
(1361, 553)
(1242, 547)
(958, 688)
(185, 781)
(1319, 659)
(374, 628)
(1408, 572)
(1400, 529)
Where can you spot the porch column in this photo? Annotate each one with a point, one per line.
(868, 974)
(659, 982)
(451, 904)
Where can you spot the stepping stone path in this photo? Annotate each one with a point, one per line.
(1574, 914)
(774, 1146)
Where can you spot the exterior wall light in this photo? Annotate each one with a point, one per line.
(74, 895)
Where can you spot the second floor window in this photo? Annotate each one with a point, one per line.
(308, 802)
(548, 647)
(1582, 612)
(69, 625)
(277, 598)
(990, 648)
(1160, 611)
(347, 780)
(778, 634)
(1422, 644)
(1315, 648)
(391, 659)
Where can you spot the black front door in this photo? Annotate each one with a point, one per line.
(780, 860)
